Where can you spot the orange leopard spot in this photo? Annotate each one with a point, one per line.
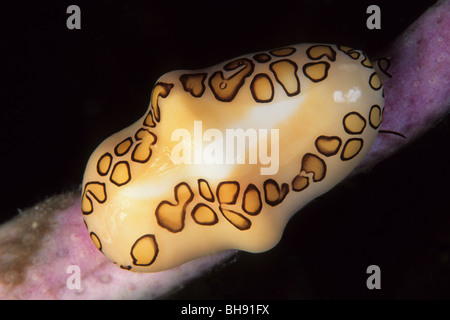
(171, 216)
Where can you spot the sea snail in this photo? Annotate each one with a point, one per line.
(224, 156)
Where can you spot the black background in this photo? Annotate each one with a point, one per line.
(64, 91)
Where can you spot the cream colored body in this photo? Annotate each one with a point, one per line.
(318, 109)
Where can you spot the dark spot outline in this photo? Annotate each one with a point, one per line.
(252, 187)
(314, 174)
(283, 55)
(240, 84)
(366, 58)
(150, 113)
(106, 154)
(359, 115)
(346, 143)
(381, 116)
(333, 53)
(298, 90)
(168, 87)
(281, 195)
(183, 80)
(125, 267)
(216, 219)
(259, 76)
(126, 151)
(129, 174)
(384, 70)
(257, 57)
(235, 196)
(93, 195)
(328, 138)
(349, 52)
(298, 190)
(137, 145)
(242, 216)
(327, 67)
(370, 80)
(183, 210)
(156, 250)
(201, 193)
(98, 239)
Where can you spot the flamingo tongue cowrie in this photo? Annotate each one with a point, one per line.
(224, 156)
